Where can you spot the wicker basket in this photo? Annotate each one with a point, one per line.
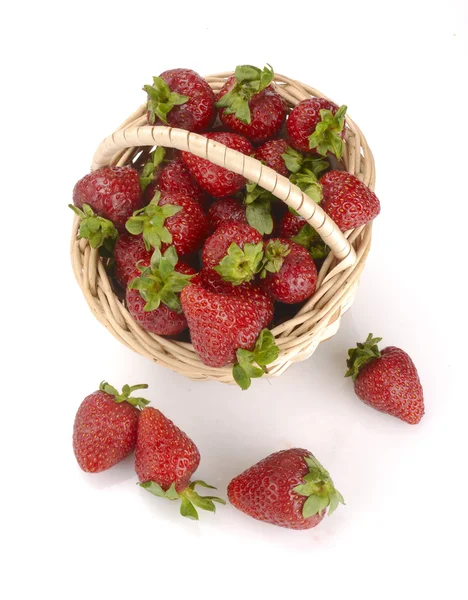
(318, 319)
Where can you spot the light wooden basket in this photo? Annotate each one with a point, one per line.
(317, 320)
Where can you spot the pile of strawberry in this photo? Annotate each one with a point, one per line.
(289, 488)
(197, 247)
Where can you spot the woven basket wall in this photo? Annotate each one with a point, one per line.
(318, 320)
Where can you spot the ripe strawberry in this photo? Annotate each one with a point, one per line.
(348, 201)
(387, 380)
(105, 428)
(168, 173)
(271, 153)
(128, 251)
(289, 274)
(226, 210)
(220, 324)
(295, 227)
(112, 192)
(218, 181)
(165, 460)
(170, 218)
(211, 281)
(234, 251)
(317, 125)
(289, 488)
(152, 296)
(249, 105)
(181, 98)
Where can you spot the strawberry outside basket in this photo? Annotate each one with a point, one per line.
(338, 279)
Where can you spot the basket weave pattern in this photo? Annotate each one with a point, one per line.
(317, 320)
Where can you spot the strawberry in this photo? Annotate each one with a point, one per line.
(218, 181)
(387, 380)
(271, 154)
(181, 98)
(226, 210)
(220, 324)
(348, 201)
(234, 251)
(211, 281)
(317, 125)
(296, 227)
(289, 488)
(128, 251)
(170, 218)
(289, 274)
(165, 460)
(152, 296)
(105, 428)
(168, 173)
(249, 105)
(112, 192)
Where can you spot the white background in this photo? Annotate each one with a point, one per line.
(71, 73)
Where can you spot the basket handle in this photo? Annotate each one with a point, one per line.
(239, 163)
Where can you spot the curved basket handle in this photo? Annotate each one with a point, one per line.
(239, 163)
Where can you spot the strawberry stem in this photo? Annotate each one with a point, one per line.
(249, 81)
(100, 232)
(240, 265)
(319, 489)
(161, 100)
(364, 353)
(124, 396)
(189, 497)
(265, 352)
(160, 282)
(327, 135)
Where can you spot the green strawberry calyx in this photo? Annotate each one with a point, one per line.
(319, 490)
(240, 265)
(249, 81)
(306, 180)
(150, 222)
(100, 232)
(161, 100)
(327, 135)
(150, 169)
(295, 162)
(252, 364)
(310, 239)
(364, 353)
(124, 395)
(274, 255)
(258, 208)
(189, 497)
(160, 282)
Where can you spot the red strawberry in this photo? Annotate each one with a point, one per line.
(249, 105)
(170, 218)
(271, 153)
(169, 174)
(289, 488)
(221, 323)
(128, 251)
(165, 460)
(112, 192)
(181, 98)
(152, 296)
(317, 125)
(226, 210)
(105, 428)
(238, 247)
(289, 274)
(218, 181)
(387, 380)
(348, 201)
